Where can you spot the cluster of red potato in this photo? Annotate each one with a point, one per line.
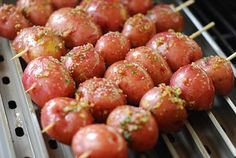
(105, 61)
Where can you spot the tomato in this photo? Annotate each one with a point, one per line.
(220, 71)
(47, 79)
(113, 47)
(197, 88)
(99, 141)
(103, 94)
(74, 26)
(177, 48)
(38, 41)
(166, 18)
(37, 11)
(63, 3)
(136, 125)
(109, 14)
(11, 21)
(139, 30)
(137, 6)
(83, 62)
(131, 78)
(153, 62)
(167, 107)
(67, 116)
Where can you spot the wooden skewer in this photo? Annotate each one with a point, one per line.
(19, 54)
(232, 56)
(48, 127)
(85, 155)
(184, 5)
(31, 88)
(205, 28)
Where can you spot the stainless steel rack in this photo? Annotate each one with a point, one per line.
(206, 134)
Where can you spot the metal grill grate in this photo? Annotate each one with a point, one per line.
(206, 134)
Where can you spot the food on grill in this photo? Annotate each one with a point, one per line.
(37, 41)
(136, 125)
(137, 6)
(37, 11)
(11, 21)
(104, 96)
(64, 3)
(45, 78)
(99, 141)
(220, 71)
(139, 29)
(83, 62)
(64, 117)
(113, 47)
(109, 14)
(167, 107)
(177, 48)
(131, 78)
(74, 25)
(197, 88)
(153, 62)
(165, 17)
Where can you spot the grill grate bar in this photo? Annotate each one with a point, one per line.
(170, 146)
(231, 104)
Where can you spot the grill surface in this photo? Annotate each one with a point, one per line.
(206, 134)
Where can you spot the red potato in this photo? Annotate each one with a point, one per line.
(153, 62)
(104, 96)
(74, 25)
(166, 18)
(11, 21)
(139, 30)
(167, 107)
(177, 48)
(64, 3)
(113, 47)
(99, 141)
(131, 78)
(220, 71)
(109, 14)
(38, 41)
(136, 125)
(45, 78)
(37, 11)
(137, 6)
(197, 88)
(67, 116)
(83, 62)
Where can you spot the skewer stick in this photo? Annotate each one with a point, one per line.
(19, 54)
(205, 28)
(85, 155)
(48, 127)
(31, 88)
(184, 5)
(232, 56)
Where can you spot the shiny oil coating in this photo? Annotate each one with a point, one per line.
(137, 6)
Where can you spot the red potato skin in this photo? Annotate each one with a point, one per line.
(64, 3)
(167, 107)
(113, 47)
(139, 30)
(153, 62)
(83, 62)
(136, 125)
(49, 79)
(137, 6)
(220, 71)
(131, 78)
(197, 88)
(99, 141)
(166, 18)
(38, 41)
(110, 15)
(74, 25)
(103, 94)
(177, 48)
(37, 11)
(67, 115)
(11, 21)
